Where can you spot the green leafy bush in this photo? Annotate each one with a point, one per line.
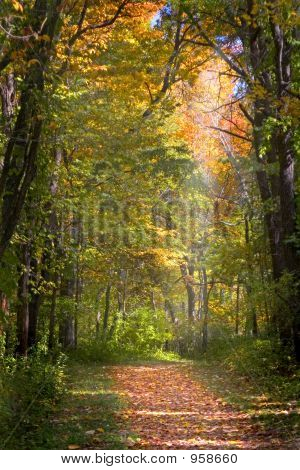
(143, 334)
(29, 387)
(259, 360)
(144, 331)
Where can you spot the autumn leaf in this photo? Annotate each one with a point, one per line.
(17, 6)
(100, 430)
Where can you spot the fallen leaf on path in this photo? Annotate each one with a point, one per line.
(170, 408)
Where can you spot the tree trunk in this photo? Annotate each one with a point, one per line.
(169, 309)
(279, 186)
(106, 309)
(67, 323)
(98, 317)
(78, 290)
(55, 234)
(205, 311)
(52, 319)
(35, 299)
(8, 101)
(153, 303)
(187, 271)
(20, 158)
(5, 326)
(237, 307)
(67, 332)
(22, 306)
(252, 316)
(124, 278)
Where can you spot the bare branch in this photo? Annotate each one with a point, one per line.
(239, 70)
(109, 22)
(224, 105)
(230, 133)
(197, 43)
(246, 113)
(26, 37)
(150, 93)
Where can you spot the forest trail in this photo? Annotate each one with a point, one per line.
(163, 405)
(168, 409)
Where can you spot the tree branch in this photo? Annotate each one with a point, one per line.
(230, 133)
(240, 71)
(246, 113)
(81, 31)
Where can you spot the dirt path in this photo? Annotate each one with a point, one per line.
(167, 408)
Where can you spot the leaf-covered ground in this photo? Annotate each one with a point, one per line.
(161, 405)
(168, 408)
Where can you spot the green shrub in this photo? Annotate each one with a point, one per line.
(258, 357)
(260, 360)
(29, 387)
(143, 334)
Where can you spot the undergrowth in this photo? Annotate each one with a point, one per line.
(260, 361)
(101, 352)
(29, 388)
(256, 376)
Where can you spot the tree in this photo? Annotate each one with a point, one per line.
(257, 46)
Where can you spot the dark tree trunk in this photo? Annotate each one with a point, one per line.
(52, 319)
(8, 101)
(22, 306)
(187, 271)
(67, 332)
(285, 147)
(281, 220)
(254, 323)
(33, 308)
(20, 158)
(35, 299)
(5, 326)
(251, 324)
(67, 323)
(71, 288)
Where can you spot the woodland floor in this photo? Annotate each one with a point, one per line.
(168, 408)
(178, 405)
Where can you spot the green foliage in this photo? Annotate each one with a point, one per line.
(8, 273)
(89, 387)
(29, 387)
(187, 338)
(143, 334)
(260, 361)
